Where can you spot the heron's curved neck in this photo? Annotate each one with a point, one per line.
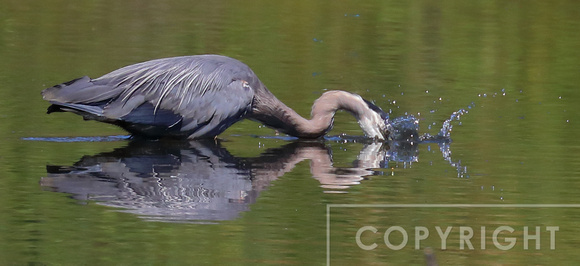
(273, 113)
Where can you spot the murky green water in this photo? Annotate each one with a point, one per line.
(254, 198)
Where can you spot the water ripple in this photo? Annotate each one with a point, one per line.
(79, 139)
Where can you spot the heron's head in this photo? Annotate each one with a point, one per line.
(374, 121)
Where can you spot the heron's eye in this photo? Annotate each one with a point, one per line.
(246, 85)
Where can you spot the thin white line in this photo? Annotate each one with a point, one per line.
(328, 234)
(452, 206)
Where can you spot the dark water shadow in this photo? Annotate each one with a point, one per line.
(200, 181)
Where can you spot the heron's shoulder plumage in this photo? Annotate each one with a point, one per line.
(174, 82)
(199, 72)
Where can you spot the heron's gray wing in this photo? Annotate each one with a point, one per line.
(191, 95)
(216, 110)
(208, 92)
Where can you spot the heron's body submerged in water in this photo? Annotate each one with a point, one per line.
(200, 97)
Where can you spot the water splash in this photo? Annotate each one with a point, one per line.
(446, 152)
(447, 126)
(405, 129)
(443, 139)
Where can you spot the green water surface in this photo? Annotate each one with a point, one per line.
(514, 65)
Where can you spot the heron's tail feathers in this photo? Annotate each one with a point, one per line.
(88, 112)
(82, 91)
(80, 96)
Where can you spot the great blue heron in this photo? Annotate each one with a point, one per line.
(200, 97)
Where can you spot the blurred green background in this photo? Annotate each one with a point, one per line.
(515, 62)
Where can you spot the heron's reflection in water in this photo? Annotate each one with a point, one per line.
(200, 181)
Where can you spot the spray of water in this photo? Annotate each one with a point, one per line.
(406, 129)
(448, 126)
(445, 134)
